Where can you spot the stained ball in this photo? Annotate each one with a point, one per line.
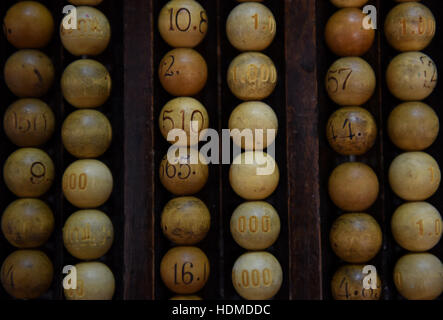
(347, 284)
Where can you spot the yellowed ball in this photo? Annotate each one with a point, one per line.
(348, 3)
(347, 284)
(85, 2)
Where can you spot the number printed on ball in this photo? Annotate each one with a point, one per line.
(347, 284)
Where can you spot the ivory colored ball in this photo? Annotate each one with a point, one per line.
(184, 270)
(349, 3)
(257, 276)
(86, 133)
(351, 131)
(85, 2)
(29, 122)
(416, 226)
(29, 73)
(410, 27)
(178, 114)
(255, 225)
(27, 274)
(355, 237)
(353, 186)
(27, 223)
(411, 76)
(183, 72)
(183, 23)
(414, 176)
(28, 172)
(95, 281)
(254, 175)
(28, 25)
(185, 298)
(87, 183)
(186, 175)
(345, 35)
(350, 81)
(252, 76)
(92, 35)
(260, 122)
(413, 126)
(86, 83)
(419, 276)
(185, 220)
(88, 234)
(347, 284)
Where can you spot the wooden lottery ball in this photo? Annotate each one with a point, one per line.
(185, 298)
(95, 281)
(413, 126)
(419, 276)
(27, 274)
(255, 225)
(353, 186)
(28, 25)
(257, 276)
(350, 81)
(345, 35)
(183, 72)
(414, 176)
(186, 174)
(86, 133)
(28, 172)
(183, 23)
(184, 270)
(254, 175)
(185, 220)
(416, 226)
(27, 223)
(178, 114)
(29, 73)
(29, 122)
(87, 183)
(92, 35)
(355, 237)
(411, 76)
(349, 3)
(252, 76)
(351, 131)
(347, 284)
(86, 83)
(85, 2)
(410, 27)
(252, 116)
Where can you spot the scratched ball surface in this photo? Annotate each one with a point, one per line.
(350, 81)
(184, 270)
(260, 122)
(95, 281)
(183, 23)
(87, 183)
(345, 35)
(29, 73)
(179, 113)
(183, 72)
(351, 131)
(410, 27)
(254, 175)
(416, 226)
(185, 220)
(28, 25)
(252, 76)
(28, 172)
(255, 225)
(29, 122)
(347, 284)
(257, 275)
(414, 176)
(27, 274)
(91, 35)
(27, 223)
(85, 2)
(419, 276)
(353, 186)
(86, 83)
(411, 76)
(86, 133)
(348, 3)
